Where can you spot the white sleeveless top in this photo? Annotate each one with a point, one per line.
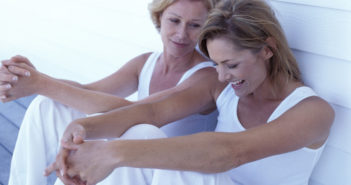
(189, 125)
(292, 168)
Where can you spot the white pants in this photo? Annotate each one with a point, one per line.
(38, 144)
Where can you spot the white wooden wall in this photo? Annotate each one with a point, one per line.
(320, 34)
(85, 40)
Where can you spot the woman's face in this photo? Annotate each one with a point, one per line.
(181, 23)
(245, 70)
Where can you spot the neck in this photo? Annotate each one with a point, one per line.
(177, 63)
(268, 92)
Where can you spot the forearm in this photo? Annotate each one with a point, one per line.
(204, 152)
(74, 95)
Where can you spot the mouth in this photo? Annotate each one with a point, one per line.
(180, 44)
(237, 84)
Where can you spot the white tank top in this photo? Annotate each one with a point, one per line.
(292, 168)
(189, 125)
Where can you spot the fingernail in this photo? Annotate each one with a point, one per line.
(3, 97)
(15, 78)
(61, 172)
(27, 73)
(8, 86)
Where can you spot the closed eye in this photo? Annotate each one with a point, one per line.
(232, 66)
(174, 20)
(194, 25)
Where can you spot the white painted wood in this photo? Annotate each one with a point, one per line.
(317, 30)
(340, 137)
(334, 168)
(84, 40)
(334, 4)
(329, 77)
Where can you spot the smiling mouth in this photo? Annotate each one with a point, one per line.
(236, 84)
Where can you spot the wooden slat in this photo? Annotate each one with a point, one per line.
(334, 4)
(334, 168)
(13, 112)
(340, 136)
(8, 134)
(4, 165)
(25, 101)
(323, 31)
(329, 77)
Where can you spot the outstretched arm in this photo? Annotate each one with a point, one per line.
(99, 96)
(302, 126)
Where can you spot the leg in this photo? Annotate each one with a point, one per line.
(127, 175)
(172, 177)
(38, 140)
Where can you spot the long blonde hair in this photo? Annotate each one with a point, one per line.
(248, 24)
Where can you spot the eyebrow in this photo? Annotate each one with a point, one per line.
(174, 14)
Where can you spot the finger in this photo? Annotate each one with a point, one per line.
(78, 137)
(69, 145)
(61, 160)
(52, 167)
(5, 87)
(65, 179)
(7, 77)
(18, 71)
(5, 62)
(6, 98)
(22, 59)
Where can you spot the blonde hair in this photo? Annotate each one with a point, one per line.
(156, 8)
(248, 24)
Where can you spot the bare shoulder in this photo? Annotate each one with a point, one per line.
(318, 105)
(136, 64)
(314, 111)
(141, 59)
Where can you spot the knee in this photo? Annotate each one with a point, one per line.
(143, 131)
(41, 102)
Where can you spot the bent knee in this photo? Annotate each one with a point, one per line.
(143, 131)
(41, 102)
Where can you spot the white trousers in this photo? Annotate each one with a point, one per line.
(38, 143)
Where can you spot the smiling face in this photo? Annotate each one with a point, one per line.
(180, 27)
(245, 70)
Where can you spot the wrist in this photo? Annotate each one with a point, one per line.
(43, 85)
(117, 151)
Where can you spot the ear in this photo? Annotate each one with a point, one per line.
(268, 49)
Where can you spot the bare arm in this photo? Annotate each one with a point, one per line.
(91, 98)
(302, 126)
(305, 125)
(192, 96)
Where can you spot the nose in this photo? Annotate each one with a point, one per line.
(223, 75)
(182, 31)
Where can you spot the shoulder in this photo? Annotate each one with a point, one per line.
(313, 113)
(317, 106)
(138, 62)
(141, 59)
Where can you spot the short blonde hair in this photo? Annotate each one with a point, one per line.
(156, 8)
(248, 24)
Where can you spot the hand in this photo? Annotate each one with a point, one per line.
(88, 163)
(18, 78)
(72, 137)
(59, 166)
